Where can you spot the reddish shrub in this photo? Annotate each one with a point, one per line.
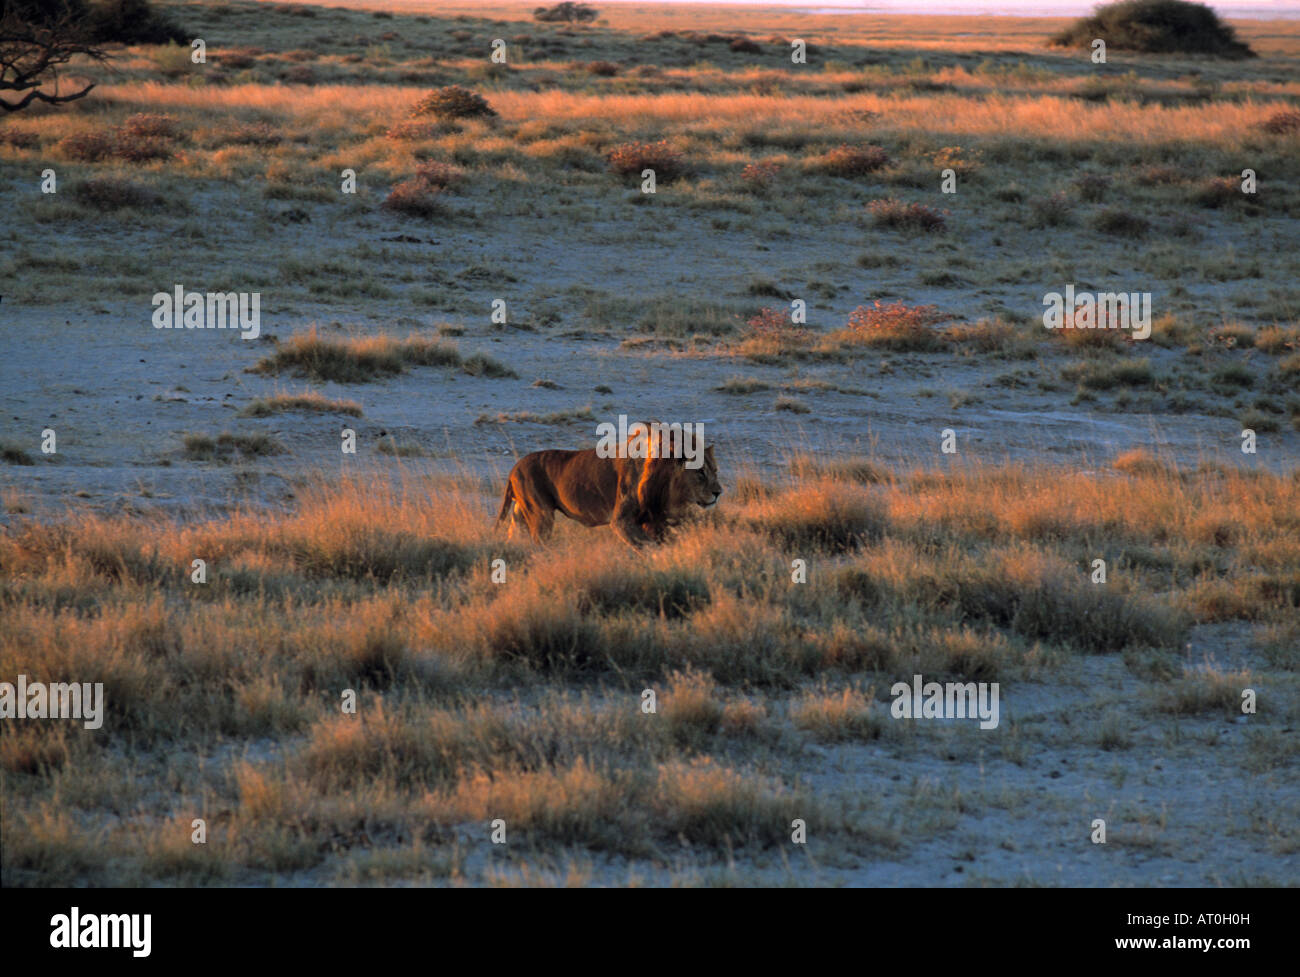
(762, 174)
(415, 198)
(775, 324)
(437, 174)
(634, 157)
(1281, 122)
(454, 102)
(897, 326)
(851, 161)
(145, 125)
(1219, 191)
(904, 216)
(89, 147)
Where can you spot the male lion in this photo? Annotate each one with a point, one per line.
(636, 497)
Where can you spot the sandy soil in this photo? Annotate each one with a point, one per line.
(120, 394)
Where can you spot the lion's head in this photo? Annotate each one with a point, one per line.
(692, 486)
(670, 488)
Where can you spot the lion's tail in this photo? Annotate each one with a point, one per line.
(506, 503)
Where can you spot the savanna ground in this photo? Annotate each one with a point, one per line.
(521, 700)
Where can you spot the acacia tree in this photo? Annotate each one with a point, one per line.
(36, 39)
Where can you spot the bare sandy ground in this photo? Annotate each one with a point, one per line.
(120, 395)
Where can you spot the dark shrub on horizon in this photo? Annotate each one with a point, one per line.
(98, 21)
(567, 12)
(1156, 27)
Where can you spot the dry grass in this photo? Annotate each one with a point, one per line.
(310, 402)
(360, 360)
(974, 575)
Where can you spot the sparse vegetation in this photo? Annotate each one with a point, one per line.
(634, 158)
(898, 215)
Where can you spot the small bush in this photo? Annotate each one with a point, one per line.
(1281, 122)
(1051, 211)
(1121, 223)
(1233, 335)
(1218, 192)
(1276, 340)
(482, 365)
(414, 198)
(850, 161)
(311, 402)
(896, 326)
(142, 149)
(1155, 27)
(111, 193)
(146, 125)
(961, 161)
(440, 175)
(454, 102)
(633, 157)
(898, 215)
(775, 325)
(224, 447)
(1233, 376)
(13, 455)
(421, 195)
(835, 718)
(566, 13)
(1092, 187)
(743, 45)
(142, 137)
(18, 138)
(88, 147)
(602, 69)
(355, 360)
(763, 174)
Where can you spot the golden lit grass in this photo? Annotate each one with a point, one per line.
(846, 715)
(1046, 117)
(353, 360)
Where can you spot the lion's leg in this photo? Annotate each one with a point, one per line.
(537, 518)
(543, 525)
(627, 527)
